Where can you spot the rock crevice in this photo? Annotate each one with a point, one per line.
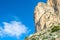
(47, 21)
(46, 14)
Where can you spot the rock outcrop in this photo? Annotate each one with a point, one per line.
(46, 34)
(47, 21)
(47, 14)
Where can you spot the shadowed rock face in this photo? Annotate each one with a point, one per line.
(55, 5)
(47, 14)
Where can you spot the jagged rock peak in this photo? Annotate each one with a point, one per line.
(46, 14)
(47, 21)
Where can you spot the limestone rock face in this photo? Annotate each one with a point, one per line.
(47, 14)
(47, 21)
(46, 34)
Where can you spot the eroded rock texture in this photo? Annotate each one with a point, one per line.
(47, 14)
(47, 21)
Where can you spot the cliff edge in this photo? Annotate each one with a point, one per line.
(47, 21)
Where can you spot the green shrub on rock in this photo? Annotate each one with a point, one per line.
(55, 28)
(33, 39)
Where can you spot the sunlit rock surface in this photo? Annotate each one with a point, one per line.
(47, 21)
(52, 33)
(47, 14)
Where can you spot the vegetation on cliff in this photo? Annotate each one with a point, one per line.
(52, 33)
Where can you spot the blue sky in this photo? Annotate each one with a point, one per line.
(16, 18)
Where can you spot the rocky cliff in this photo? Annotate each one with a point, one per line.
(47, 21)
(47, 14)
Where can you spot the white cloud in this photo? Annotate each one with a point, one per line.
(13, 28)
